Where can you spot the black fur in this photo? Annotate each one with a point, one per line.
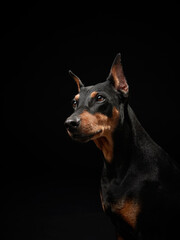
(140, 170)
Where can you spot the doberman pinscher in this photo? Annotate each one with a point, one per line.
(140, 184)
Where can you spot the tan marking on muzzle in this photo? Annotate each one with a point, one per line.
(92, 123)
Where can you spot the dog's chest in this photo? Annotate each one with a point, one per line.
(128, 209)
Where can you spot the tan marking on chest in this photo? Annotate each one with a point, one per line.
(119, 238)
(129, 211)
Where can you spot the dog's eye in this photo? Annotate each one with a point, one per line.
(74, 103)
(100, 98)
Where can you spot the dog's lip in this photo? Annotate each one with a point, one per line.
(83, 137)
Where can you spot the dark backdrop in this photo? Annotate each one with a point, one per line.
(50, 184)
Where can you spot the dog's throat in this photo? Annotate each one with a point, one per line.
(106, 145)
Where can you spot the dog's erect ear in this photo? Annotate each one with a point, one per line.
(116, 76)
(77, 80)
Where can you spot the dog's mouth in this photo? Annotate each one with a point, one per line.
(81, 137)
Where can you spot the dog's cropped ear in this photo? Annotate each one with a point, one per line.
(116, 76)
(77, 80)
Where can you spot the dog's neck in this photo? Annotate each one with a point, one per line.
(106, 145)
(117, 148)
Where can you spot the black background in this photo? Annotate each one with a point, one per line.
(50, 184)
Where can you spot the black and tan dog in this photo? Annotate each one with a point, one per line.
(140, 185)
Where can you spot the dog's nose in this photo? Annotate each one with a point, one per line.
(72, 123)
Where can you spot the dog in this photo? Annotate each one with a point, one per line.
(140, 184)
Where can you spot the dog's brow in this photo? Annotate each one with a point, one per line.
(94, 94)
(77, 97)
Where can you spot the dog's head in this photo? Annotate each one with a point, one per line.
(98, 109)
